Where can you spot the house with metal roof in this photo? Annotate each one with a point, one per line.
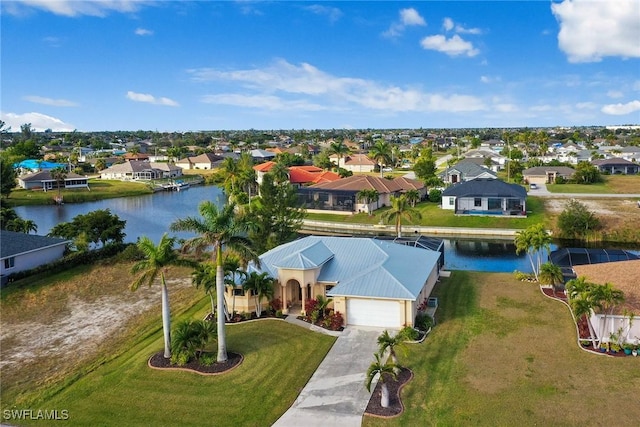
(141, 170)
(203, 161)
(485, 197)
(371, 282)
(616, 166)
(21, 251)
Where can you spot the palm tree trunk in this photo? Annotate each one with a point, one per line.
(166, 319)
(222, 339)
(384, 396)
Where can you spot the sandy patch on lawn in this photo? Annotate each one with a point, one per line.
(81, 329)
(602, 206)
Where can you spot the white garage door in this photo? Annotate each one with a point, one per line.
(373, 312)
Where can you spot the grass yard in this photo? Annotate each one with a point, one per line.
(434, 216)
(100, 189)
(108, 382)
(616, 184)
(503, 354)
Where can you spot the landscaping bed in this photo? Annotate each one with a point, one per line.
(394, 386)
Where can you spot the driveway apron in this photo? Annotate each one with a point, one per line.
(335, 395)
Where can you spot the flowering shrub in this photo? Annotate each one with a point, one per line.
(275, 304)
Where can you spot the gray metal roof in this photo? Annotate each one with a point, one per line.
(361, 267)
(482, 187)
(13, 243)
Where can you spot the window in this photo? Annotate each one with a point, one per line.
(239, 292)
(10, 262)
(452, 201)
(477, 202)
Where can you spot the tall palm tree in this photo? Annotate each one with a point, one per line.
(157, 261)
(205, 276)
(261, 286)
(368, 195)
(280, 173)
(59, 175)
(386, 341)
(339, 149)
(383, 369)
(381, 153)
(607, 298)
(231, 173)
(551, 274)
(232, 267)
(218, 228)
(400, 209)
(533, 240)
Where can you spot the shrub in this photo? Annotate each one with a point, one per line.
(207, 359)
(275, 304)
(435, 195)
(181, 358)
(423, 321)
(335, 321)
(279, 313)
(409, 333)
(310, 306)
(246, 316)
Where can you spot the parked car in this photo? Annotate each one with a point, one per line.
(387, 169)
(533, 186)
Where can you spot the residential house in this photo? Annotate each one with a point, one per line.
(547, 174)
(371, 282)
(298, 175)
(355, 162)
(496, 160)
(341, 196)
(485, 197)
(616, 166)
(630, 153)
(205, 161)
(21, 251)
(141, 170)
(43, 181)
(465, 171)
(262, 155)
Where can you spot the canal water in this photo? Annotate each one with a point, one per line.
(152, 214)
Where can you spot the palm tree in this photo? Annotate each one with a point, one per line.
(205, 276)
(190, 337)
(413, 197)
(392, 343)
(532, 240)
(381, 153)
(59, 175)
(218, 227)
(261, 286)
(157, 261)
(607, 298)
(400, 209)
(382, 369)
(231, 174)
(368, 195)
(101, 164)
(340, 149)
(551, 274)
(280, 173)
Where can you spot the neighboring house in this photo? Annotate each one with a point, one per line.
(203, 161)
(141, 170)
(262, 155)
(547, 174)
(21, 251)
(372, 282)
(354, 162)
(298, 175)
(497, 160)
(466, 171)
(43, 181)
(341, 195)
(136, 157)
(485, 197)
(630, 153)
(616, 166)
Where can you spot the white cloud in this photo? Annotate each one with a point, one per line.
(591, 30)
(73, 8)
(333, 13)
(150, 99)
(489, 79)
(143, 32)
(448, 25)
(615, 94)
(270, 88)
(408, 17)
(49, 101)
(454, 46)
(586, 106)
(621, 109)
(39, 122)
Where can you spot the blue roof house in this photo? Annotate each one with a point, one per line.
(372, 282)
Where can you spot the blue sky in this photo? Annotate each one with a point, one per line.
(208, 65)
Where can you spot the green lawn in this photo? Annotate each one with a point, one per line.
(434, 216)
(598, 188)
(99, 189)
(279, 358)
(502, 354)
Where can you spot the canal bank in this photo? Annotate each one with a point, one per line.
(315, 227)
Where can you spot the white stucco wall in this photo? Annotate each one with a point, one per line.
(33, 259)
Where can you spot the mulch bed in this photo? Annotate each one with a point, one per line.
(395, 403)
(158, 361)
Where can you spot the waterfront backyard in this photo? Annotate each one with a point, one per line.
(501, 354)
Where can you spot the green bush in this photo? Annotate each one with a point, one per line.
(409, 333)
(423, 321)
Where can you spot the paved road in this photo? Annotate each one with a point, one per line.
(542, 191)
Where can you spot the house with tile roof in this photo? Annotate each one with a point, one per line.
(341, 196)
(485, 197)
(547, 174)
(354, 162)
(371, 282)
(299, 176)
(21, 251)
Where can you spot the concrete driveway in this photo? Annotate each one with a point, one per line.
(335, 395)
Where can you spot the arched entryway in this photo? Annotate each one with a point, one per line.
(292, 297)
